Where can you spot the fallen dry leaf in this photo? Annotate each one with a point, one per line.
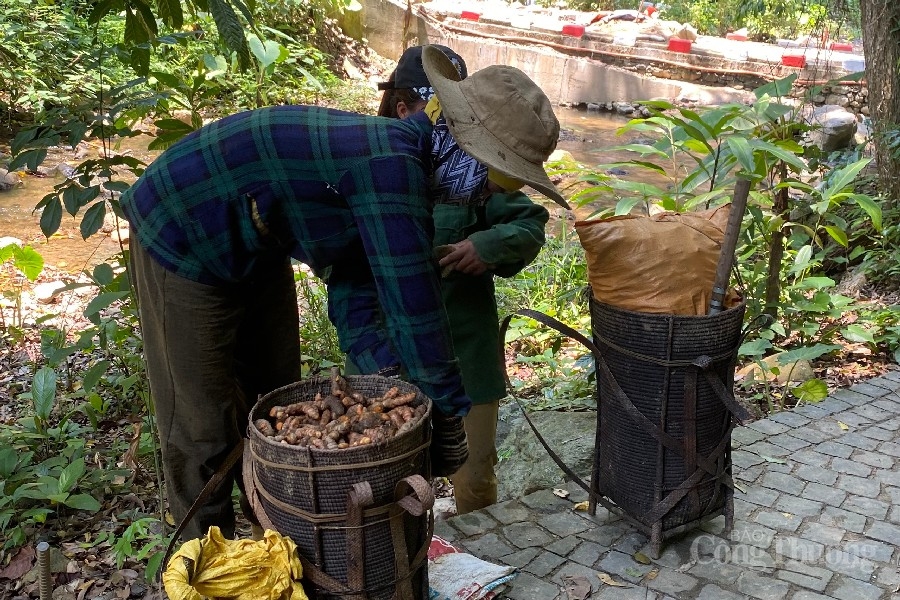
(577, 587)
(605, 578)
(561, 492)
(843, 426)
(651, 574)
(19, 565)
(641, 558)
(129, 459)
(582, 505)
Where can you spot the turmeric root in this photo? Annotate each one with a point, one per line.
(343, 418)
(265, 428)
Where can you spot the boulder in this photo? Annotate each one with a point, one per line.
(525, 466)
(798, 371)
(8, 180)
(834, 127)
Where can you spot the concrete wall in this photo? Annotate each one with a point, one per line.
(571, 72)
(565, 79)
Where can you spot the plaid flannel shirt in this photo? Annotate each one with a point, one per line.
(344, 193)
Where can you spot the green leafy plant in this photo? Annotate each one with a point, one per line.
(319, 346)
(17, 263)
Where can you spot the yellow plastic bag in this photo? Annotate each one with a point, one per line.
(235, 569)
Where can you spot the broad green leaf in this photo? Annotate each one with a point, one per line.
(51, 217)
(29, 261)
(230, 30)
(103, 274)
(135, 31)
(815, 283)
(153, 564)
(812, 390)
(624, 206)
(30, 159)
(646, 190)
(266, 52)
(43, 392)
(741, 150)
(8, 461)
(697, 135)
(114, 186)
(843, 178)
(148, 19)
(171, 13)
(101, 9)
(801, 261)
(642, 149)
(69, 477)
(708, 197)
(871, 207)
(92, 220)
(858, 334)
(173, 125)
(70, 199)
(781, 87)
(216, 65)
(311, 79)
(755, 347)
(245, 9)
(649, 165)
(93, 375)
(806, 353)
(102, 301)
(83, 502)
(660, 105)
(780, 153)
(837, 234)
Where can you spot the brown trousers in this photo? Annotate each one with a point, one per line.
(210, 351)
(475, 484)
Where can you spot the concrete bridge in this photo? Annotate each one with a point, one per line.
(593, 68)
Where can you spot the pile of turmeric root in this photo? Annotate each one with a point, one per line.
(344, 419)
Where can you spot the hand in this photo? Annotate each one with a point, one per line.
(462, 257)
(449, 447)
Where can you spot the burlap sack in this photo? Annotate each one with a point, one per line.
(663, 264)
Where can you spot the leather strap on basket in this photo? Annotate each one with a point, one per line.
(706, 464)
(208, 490)
(416, 503)
(359, 497)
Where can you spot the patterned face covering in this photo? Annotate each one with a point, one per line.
(458, 178)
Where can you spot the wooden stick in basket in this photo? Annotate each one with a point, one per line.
(729, 243)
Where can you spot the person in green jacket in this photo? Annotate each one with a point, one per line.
(483, 227)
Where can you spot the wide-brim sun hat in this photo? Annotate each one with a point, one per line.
(500, 117)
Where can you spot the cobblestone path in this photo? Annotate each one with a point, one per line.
(817, 516)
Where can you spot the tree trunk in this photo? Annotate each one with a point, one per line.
(881, 42)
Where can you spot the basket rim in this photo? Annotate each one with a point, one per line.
(740, 306)
(315, 381)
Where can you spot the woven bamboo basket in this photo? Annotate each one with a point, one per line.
(665, 416)
(351, 511)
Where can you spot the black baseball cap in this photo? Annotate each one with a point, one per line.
(410, 74)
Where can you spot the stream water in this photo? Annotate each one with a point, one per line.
(588, 136)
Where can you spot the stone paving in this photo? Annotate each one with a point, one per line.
(817, 516)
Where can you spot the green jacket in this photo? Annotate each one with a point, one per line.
(508, 233)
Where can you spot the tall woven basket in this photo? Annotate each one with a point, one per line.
(665, 416)
(360, 516)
